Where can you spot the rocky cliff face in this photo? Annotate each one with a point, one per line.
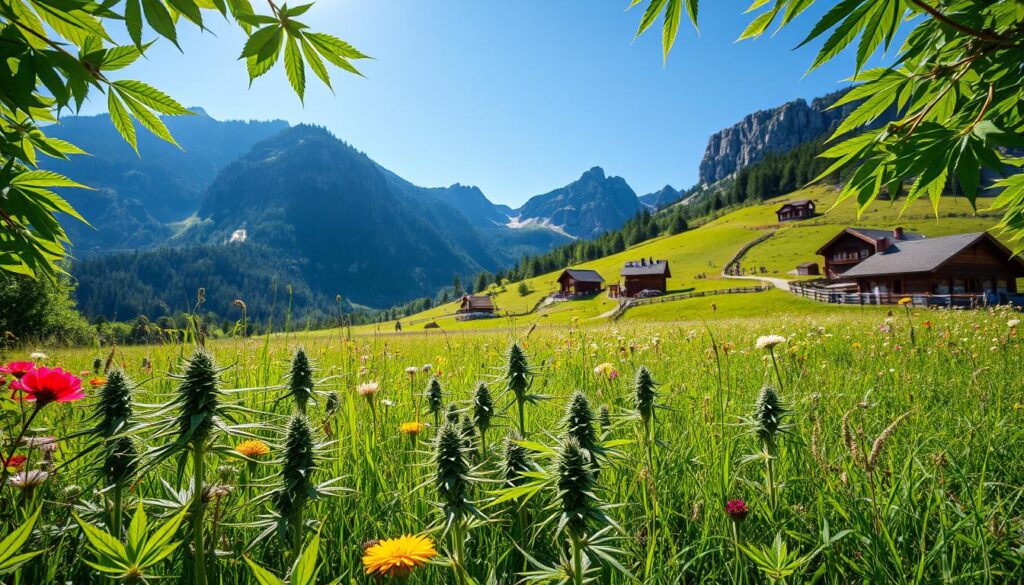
(776, 130)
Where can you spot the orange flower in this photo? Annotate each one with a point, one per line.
(253, 448)
(97, 381)
(412, 428)
(397, 557)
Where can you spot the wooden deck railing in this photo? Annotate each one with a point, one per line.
(838, 297)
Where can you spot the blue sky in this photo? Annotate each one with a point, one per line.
(517, 97)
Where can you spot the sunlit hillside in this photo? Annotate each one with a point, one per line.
(697, 258)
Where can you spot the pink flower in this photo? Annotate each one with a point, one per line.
(17, 369)
(46, 385)
(737, 510)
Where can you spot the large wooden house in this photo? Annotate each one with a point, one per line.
(645, 274)
(975, 265)
(852, 246)
(796, 210)
(575, 281)
(477, 304)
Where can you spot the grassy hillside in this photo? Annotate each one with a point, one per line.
(706, 249)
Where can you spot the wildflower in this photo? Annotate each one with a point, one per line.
(37, 356)
(412, 428)
(411, 370)
(387, 403)
(905, 301)
(368, 389)
(14, 462)
(604, 369)
(97, 381)
(17, 369)
(27, 481)
(253, 448)
(398, 557)
(926, 324)
(1013, 323)
(769, 341)
(427, 368)
(46, 385)
(737, 510)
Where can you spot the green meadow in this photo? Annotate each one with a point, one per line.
(891, 454)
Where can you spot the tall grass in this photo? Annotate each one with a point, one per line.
(895, 463)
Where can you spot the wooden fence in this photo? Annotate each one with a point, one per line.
(627, 304)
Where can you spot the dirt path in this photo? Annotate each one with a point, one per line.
(779, 283)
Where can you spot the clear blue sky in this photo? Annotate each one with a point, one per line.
(517, 97)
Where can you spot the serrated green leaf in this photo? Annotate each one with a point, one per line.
(673, 14)
(152, 97)
(40, 178)
(654, 8)
(294, 67)
(757, 26)
(133, 21)
(122, 121)
(315, 63)
(145, 117)
(160, 19)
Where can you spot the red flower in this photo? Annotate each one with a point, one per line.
(737, 510)
(17, 369)
(16, 461)
(46, 385)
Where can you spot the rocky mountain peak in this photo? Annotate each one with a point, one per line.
(774, 130)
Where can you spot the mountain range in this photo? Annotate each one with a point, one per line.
(352, 226)
(299, 197)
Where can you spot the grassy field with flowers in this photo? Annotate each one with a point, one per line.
(838, 448)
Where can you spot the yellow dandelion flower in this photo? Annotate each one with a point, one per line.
(253, 448)
(905, 301)
(412, 428)
(397, 557)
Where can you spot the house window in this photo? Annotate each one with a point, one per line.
(1001, 287)
(942, 288)
(863, 253)
(959, 286)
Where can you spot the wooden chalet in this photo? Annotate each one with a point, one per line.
(574, 281)
(477, 304)
(976, 265)
(795, 210)
(852, 246)
(645, 274)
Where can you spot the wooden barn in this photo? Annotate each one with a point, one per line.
(852, 246)
(966, 264)
(645, 274)
(574, 281)
(795, 210)
(808, 269)
(477, 304)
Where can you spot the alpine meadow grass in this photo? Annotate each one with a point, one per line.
(826, 449)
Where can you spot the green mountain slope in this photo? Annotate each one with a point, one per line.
(698, 256)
